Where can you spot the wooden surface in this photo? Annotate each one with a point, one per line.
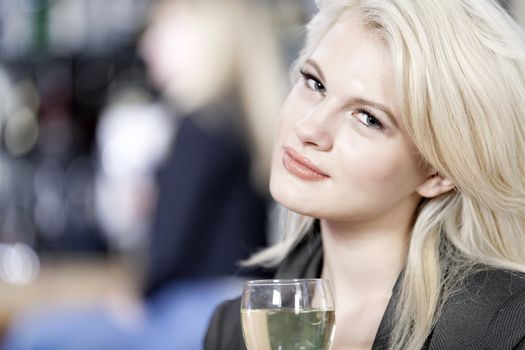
(71, 281)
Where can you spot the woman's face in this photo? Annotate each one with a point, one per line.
(342, 118)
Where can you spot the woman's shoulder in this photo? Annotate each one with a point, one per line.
(487, 312)
(494, 286)
(492, 283)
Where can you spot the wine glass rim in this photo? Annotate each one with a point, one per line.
(285, 281)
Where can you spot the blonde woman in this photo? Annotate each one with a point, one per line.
(399, 158)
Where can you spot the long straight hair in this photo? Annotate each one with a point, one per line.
(460, 70)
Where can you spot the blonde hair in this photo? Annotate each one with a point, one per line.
(460, 68)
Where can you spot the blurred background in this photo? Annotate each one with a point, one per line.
(134, 146)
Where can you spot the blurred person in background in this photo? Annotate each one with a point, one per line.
(225, 86)
(218, 68)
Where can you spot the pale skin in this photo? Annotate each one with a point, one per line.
(343, 116)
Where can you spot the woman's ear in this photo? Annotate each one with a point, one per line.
(434, 185)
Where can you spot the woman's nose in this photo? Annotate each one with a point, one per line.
(316, 128)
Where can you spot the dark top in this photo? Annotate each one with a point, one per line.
(488, 312)
(208, 215)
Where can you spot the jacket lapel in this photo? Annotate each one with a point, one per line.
(387, 322)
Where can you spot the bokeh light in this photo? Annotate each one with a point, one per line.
(21, 132)
(19, 264)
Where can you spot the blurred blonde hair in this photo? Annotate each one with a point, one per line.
(460, 70)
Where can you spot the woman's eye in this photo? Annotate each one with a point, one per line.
(369, 120)
(313, 83)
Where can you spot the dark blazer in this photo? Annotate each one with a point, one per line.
(488, 312)
(208, 215)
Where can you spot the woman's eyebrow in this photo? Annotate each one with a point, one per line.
(316, 67)
(376, 105)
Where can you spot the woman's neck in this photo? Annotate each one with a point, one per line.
(363, 261)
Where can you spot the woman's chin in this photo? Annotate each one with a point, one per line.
(291, 201)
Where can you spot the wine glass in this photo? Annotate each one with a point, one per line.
(288, 314)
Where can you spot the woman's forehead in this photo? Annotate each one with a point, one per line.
(351, 41)
(355, 62)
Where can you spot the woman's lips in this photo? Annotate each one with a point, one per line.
(301, 167)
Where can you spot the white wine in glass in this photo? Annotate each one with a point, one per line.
(296, 314)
